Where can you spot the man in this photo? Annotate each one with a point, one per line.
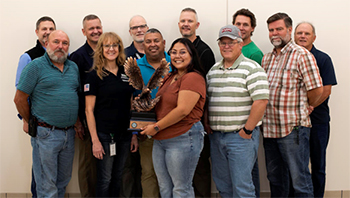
(245, 20)
(295, 85)
(154, 46)
(137, 29)
(92, 29)
(52, 83)
(44, 26)
(188, 24)
(131, 179)
(305, 36)
(238, 94)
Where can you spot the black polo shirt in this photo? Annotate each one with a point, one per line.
(112, 106)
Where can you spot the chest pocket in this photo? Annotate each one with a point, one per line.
(290, 79)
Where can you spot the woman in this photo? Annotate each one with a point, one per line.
(108, 101)
(178, 132)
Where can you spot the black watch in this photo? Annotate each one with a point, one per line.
(248, 132)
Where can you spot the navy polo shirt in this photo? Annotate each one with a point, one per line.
(53, 94)
(324, 62)
(83, 57)
(132, 51)
(113, 97)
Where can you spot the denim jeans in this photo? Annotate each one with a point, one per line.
(289, 156)
(110, 168)
(232, 160)
(319, 137)
(175, 161)
(53, 153)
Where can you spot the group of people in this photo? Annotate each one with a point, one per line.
(206, 110)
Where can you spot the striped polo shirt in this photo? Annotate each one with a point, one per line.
(53, 94)
(232, 91)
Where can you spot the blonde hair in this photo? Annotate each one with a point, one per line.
(100, 60)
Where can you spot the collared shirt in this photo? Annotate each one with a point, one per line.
(132, 51)
(205, 54)
(232, 91)
(27, 57)
(291, 75)
(147, 71)
(53, 94)
(320, 114)
(83, 57)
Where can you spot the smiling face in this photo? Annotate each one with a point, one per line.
(244, 25)
(230, 49)
(44, 30)
(138, 28)
(154, 45)
(188, 24)
(92, 30)
(279, 34)
(304, 36)
(180, 57)
(110, 50)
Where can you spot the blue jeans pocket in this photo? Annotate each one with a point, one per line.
(43, 132)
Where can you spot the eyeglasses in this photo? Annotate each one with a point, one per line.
(174, 52)
(137, 27)
(114, 46)
(230, 44)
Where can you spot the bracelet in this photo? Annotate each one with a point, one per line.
(135, 133)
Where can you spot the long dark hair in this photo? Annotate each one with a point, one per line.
(195, 64)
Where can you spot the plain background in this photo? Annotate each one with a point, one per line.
(17, 25)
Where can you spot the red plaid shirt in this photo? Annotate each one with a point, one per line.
(290, 74)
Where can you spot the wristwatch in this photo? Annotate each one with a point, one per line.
(156, 127)
(248, 132)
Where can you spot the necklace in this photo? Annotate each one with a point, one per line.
(178, 76)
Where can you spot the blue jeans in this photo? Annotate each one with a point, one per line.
(175, 161)
(232, 160)
(110, 169)
(53, 153)
(318, 144)
(289, 156)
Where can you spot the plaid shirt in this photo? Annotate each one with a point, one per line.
(290, 74)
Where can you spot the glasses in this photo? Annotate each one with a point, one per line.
(230, 44)
(174, 52)
(114, 46)
(137, 27)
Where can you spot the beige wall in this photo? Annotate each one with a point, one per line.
(17, 24)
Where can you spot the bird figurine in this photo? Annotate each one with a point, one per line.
(144, 101)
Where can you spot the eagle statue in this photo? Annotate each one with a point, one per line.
(144, 101)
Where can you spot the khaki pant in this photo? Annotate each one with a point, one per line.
(149, 181)
(87, 167)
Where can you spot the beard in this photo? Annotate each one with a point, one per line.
(55, 58)
(280, 42)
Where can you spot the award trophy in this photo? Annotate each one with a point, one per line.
(143, 103)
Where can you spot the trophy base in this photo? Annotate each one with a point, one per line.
(139, 120)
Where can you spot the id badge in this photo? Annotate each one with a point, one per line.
(112, 149)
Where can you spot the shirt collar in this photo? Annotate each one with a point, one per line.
(234, 65)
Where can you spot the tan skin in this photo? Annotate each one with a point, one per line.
(138, 34)
(110, 55)
(186, 99)
(57, 40)
(230, 55)
(304, 36)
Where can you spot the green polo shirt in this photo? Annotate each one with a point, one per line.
(53, 94)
